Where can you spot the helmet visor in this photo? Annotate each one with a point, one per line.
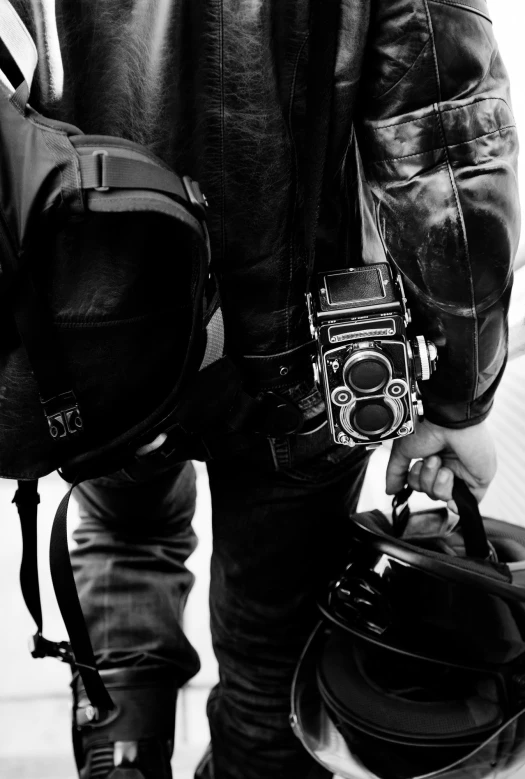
(360, 755)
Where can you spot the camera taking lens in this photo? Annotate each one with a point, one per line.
(367, 371)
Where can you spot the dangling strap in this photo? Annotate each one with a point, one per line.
(27, 499)
(69, 605)
(79, 653)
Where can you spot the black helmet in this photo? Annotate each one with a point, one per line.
(417, 667)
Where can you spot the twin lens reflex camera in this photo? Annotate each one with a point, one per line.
(366, 365)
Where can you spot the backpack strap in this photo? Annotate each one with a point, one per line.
(19, 43)
(103, 171)
(27, 499)
(79, 653)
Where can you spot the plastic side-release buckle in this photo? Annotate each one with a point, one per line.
(41, 647)
(63, 416)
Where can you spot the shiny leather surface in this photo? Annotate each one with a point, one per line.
(218, 89)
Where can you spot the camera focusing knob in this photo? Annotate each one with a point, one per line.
(425, 356)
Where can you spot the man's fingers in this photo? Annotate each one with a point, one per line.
(429, 473)
(414, 476)
(431, 477)
(444, 484)
(397, 470)
(442, 453)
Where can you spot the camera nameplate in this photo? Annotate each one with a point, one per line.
(385, 327)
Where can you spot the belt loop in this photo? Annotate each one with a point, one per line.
(281, 453)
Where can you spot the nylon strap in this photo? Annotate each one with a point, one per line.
(324, 26)
(83, 658)
(474, 536)
(19, 44)
(69, 604)
(105, 170)
(27, 500)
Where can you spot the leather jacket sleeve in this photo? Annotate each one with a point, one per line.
(439, 150)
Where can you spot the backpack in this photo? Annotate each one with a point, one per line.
(110, 318)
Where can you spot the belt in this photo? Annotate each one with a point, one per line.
(277, 371)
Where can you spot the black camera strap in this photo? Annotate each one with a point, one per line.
(323, 38)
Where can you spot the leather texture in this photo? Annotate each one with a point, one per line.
(422, 159)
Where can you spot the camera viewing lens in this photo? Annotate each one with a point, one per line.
(367, 371)
(397, 388)
(372, 418)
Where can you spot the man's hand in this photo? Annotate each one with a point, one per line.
(441, 452)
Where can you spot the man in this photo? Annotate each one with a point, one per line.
(421, 169)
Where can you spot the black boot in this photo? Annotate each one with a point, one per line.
(135, 741)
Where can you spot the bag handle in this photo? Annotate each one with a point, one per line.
(20, 45)
(470, 519)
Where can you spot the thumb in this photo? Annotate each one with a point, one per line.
(397, 469)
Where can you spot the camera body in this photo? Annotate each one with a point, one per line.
(366, 365)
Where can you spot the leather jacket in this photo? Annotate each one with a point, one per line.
(421, 165)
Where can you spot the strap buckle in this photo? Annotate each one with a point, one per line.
(195, 195)
(102, 153)
(63, 415)
(26, 494)
(41, 647)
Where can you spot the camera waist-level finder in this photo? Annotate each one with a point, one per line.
(366, 366)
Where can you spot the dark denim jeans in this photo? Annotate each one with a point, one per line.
(280, 527)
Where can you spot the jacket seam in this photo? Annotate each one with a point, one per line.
(484, 135)
(291, 253)
(222, 129)
(382, 95)
(380, 127)
(444, 148)
(456, 198)
(465, 7)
